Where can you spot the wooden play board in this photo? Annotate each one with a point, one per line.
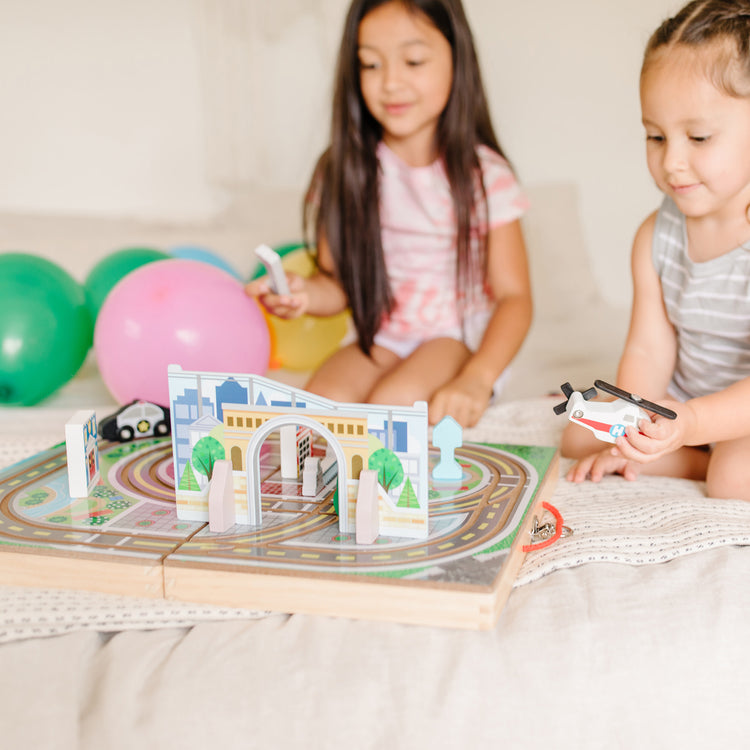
(126, 539)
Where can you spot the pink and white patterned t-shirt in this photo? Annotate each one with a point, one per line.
(418, 233)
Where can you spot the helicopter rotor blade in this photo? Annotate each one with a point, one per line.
(567, 390)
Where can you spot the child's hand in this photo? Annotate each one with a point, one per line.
(282, 305)
(607, 461)
(652, 440)
(464, 398)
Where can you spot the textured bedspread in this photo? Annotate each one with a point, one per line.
(628, 633)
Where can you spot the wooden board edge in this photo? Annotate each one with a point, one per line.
(431, 605)
(516, 557)
(106, 575)
(356, 599)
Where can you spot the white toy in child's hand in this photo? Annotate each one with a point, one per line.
(607, 419)
(272, 263)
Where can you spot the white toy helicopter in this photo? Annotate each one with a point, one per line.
(607, 419)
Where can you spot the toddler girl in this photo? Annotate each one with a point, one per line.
(688, 346)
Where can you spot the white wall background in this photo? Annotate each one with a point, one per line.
(170, 109)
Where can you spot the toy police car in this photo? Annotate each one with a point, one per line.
(136, 420)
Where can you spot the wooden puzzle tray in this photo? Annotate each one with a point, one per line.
(126, 538)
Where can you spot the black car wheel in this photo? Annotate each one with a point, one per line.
(125, 434)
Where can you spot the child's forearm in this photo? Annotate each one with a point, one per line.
(645, 373)
(724, 415)
(325, 295)
(502, 339)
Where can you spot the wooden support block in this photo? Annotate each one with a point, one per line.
(368, 508)
(82, 453)
(288, 447)
(221, 498)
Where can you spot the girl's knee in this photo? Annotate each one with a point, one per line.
(728, 474)
(336, 386)
(728, 488)
(397, 392)
(348, 375)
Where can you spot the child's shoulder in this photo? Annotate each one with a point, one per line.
(644, 235)
(489, 159)
(497, 174)
(506, 199)
(660, 239)
(667, 213)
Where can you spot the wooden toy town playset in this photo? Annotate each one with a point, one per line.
(266, 496)
(243, 491)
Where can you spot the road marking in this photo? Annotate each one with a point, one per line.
(158, 545)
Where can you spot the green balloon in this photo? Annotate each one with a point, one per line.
(45, 328)
(108, 271)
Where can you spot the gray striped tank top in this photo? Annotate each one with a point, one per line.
(709, 306)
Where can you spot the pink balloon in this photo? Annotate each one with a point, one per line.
(180, 312)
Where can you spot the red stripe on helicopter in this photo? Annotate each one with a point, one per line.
(600, 426)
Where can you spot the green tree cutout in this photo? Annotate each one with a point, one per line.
(389, 468)
(206, 452)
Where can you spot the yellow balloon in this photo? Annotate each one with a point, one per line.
(299, 261)
(305, 343)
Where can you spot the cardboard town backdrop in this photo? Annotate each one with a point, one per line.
(229, 416)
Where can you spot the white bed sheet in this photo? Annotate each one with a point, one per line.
(603, 655)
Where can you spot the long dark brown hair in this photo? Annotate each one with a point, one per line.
(724, 23)
(342, 201)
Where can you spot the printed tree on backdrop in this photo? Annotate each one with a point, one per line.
(206, 452)
(188, 480)
(389, 468)
(408, 497)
